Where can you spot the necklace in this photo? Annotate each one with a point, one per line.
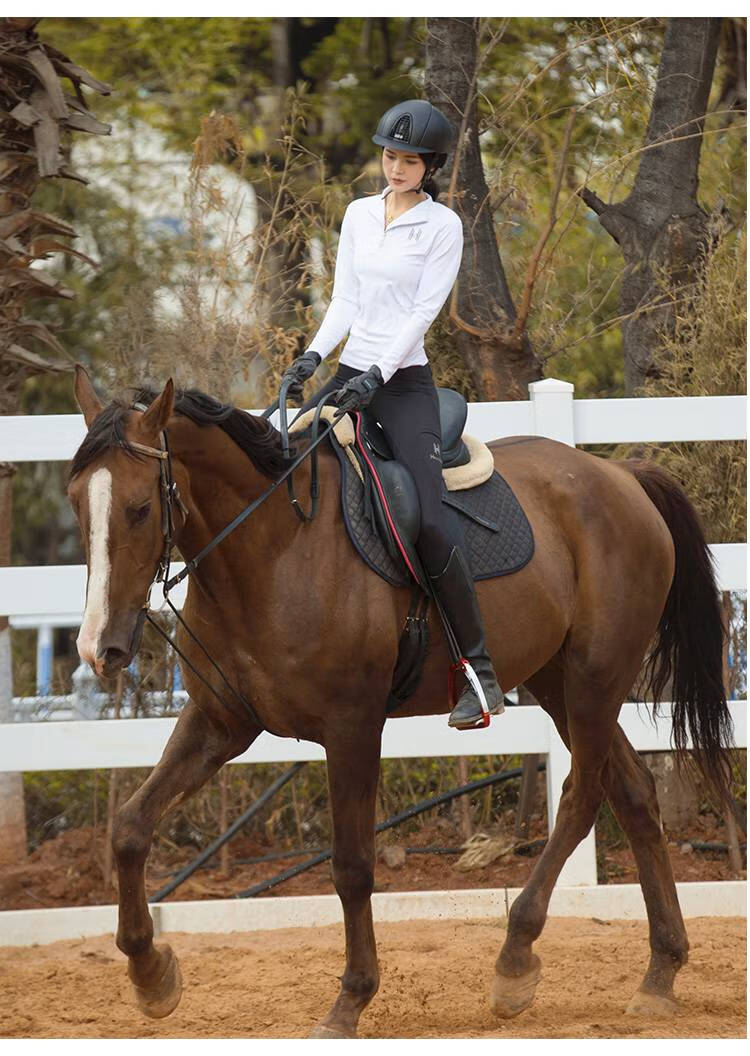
(390, 213)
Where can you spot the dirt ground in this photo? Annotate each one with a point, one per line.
(278, 984)
(67, 870)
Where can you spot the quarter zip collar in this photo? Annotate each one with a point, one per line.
(421, 209)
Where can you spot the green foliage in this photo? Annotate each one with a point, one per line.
(172, 71)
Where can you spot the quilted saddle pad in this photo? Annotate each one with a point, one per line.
(497, 536)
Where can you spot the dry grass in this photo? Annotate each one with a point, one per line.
(706, 356)
(250, 295)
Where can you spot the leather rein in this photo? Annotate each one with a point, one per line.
(172, 503)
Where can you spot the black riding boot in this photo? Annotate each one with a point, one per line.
(454, 587)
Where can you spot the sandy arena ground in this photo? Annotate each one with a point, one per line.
(435, 979)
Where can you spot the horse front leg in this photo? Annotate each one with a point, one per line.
(353, 757)
(196, 750)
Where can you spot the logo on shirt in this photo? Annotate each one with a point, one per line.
(415, 233)
(436, 453)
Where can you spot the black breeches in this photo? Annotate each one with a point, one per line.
(408, 412)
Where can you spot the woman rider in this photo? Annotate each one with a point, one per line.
(397, 259)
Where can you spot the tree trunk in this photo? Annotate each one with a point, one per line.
(12, 812)
(660, 227)
(501, 366)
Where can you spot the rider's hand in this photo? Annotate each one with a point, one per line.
(358, 392)
(301, 369)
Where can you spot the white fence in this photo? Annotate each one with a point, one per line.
(54, 596)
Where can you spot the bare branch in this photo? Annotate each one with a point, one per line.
(533, 269)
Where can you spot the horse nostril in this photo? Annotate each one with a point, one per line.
(114, 659)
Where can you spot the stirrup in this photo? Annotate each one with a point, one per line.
(483, 720)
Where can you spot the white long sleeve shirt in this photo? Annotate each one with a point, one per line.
(389, 283)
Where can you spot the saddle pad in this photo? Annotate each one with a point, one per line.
(497, 534)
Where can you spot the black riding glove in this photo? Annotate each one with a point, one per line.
(358, 392)
(301, 369)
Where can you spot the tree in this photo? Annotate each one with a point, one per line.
(35, 114)
(660, 227)
(501, 364)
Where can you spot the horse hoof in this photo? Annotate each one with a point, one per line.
(163, 997)
(512, 994)
(322, 1031)
(645, 1004)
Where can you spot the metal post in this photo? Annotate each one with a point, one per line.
(45, 652)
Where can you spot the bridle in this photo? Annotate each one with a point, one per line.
(170, 495)
(171, 503)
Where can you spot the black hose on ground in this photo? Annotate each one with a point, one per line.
(236, 825)
(699, 845)
(397, 819)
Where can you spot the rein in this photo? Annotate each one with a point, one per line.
(170, 499)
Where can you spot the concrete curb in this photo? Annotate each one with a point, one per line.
(27, 927)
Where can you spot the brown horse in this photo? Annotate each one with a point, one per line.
(308, 634)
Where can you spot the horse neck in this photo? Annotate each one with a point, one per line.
(217, 480)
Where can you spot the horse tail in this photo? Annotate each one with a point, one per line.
(689, 643)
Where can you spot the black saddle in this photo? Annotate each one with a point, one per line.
(395, 515)
(453, 412)
(382, 512)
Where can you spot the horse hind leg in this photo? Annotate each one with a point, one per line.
(585, 713)
(632, 793)
(194, 753)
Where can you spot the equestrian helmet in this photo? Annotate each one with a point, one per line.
(418, 126)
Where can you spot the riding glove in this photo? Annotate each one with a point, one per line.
(358, 392)
(301, 369)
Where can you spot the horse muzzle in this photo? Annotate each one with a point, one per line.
(118, 644)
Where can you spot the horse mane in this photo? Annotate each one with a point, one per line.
(256, 436)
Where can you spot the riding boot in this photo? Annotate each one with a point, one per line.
(454, 588)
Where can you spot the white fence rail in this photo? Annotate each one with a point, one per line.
(53, 596)
(139, 742)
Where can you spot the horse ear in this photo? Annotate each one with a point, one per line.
(86, 397)
(160, 411)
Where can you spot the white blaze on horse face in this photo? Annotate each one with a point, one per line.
(97, 594)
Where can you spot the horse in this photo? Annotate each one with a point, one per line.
(307, 635)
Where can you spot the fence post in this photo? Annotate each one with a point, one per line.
(552, 403)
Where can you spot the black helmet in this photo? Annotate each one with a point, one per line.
(418, 126)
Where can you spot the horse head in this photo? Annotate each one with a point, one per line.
(115, 491)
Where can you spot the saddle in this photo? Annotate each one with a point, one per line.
(381, 507)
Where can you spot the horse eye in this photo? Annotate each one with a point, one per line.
(139, 515)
